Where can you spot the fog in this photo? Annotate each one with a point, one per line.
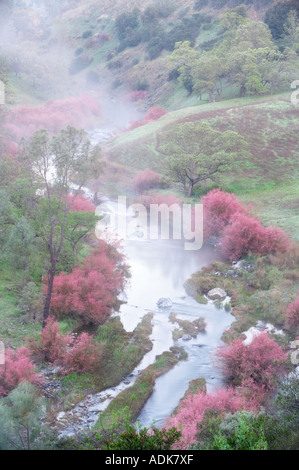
(38, 50)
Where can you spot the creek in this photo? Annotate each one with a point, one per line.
(159, 269)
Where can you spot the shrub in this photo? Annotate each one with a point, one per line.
(84, 355)
(82, 111)
(144, 439)
(145, 180)
(154, 198)
(253, 366)
(90, 291)
(152, 115)
(219, 210)
(17, 368)
(51, 345)
(246, 234)
(292, 314)
(81, 204)
(193, 408)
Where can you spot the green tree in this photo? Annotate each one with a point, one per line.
(20, 245)
(53, 164)
(239, 431)
(195, 152)
(20, 416)
(183, 59)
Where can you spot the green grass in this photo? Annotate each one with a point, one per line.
(136, 396)
(122, 351)
(14, 327)
(268, 179)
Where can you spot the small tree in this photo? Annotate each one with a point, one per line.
(20, 416)
(52, 163)
(196, 152)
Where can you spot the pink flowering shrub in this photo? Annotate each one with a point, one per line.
(292, 314)
(253, 366)
(18, 368)
(81, 204)
(51, 345)
(84, 355)
(151, 115)
(145, 180)
(82, 111)
(219, 209)
(246, 234)
(154, 198)
(192, 409)
(90, 290)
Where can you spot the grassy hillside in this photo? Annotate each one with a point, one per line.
(269, 178)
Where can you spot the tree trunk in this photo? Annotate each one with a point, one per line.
(49, 294)
(189, 189)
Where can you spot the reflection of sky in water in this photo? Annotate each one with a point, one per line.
(159, 268)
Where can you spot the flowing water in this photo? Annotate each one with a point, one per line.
(159, 269)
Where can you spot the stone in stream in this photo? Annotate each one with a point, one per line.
(164, 303)
(217, 294)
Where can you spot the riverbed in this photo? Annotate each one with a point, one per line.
(159, 269)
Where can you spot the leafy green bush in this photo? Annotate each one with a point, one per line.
(144, 439)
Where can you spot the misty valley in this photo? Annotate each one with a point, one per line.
(149, 227)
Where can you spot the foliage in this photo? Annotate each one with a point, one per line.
(220, 208)
(292, 314)
(144, 439)
(195, 152)
(238, 431)
(253, 366)
(83, 356)
(145, 180)
(51, 345)
(90, 291)
(17, 368)
(81, 204)
(151, 115)
(277, 14)
(246, 234)
(82, 111)
(50, 164)
(192, 409)
(20, 415)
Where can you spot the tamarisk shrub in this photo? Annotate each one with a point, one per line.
(246, 234)
(84, 355)
(219, 208)
(193, 407)
(18, 368)
(145, 180)
(81, 204)
(253, 366)
(51, 345)
(90, 291)
(292, 314)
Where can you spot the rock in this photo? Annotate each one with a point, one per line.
(186, 337)
(217, 294)
(164, 303)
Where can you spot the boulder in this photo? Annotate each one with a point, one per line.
(164, 303)
(217, 294)
(186, 337)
